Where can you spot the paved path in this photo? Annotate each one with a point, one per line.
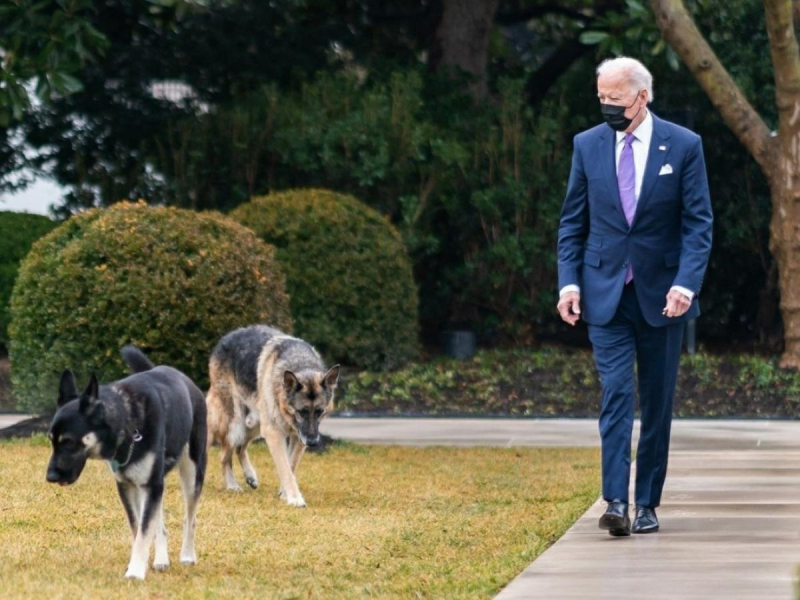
(730, 514)
(695, 434)
(9, 420)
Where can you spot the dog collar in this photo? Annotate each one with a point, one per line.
(115, 464)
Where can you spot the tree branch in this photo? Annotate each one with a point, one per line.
(681, 33)
(546, 75)
(785, 61)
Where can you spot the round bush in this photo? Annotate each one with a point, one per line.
(18, 231)
(347, 272)
(170, 281)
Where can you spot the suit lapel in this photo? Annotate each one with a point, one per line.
(656, 158)
(609, 161)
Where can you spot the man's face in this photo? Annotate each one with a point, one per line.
(616, 90)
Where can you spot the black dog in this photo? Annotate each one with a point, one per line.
(142, 426)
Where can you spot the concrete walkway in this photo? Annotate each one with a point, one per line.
(730, 518)
(9, 420)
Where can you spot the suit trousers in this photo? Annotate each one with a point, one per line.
(627, 340)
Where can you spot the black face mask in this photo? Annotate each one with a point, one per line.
(615, 115)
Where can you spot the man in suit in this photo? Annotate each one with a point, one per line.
(633, 246)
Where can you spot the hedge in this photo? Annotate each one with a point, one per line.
(171, 281)
(18, 231)
(348, 274)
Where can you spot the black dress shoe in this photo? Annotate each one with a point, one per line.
(645, 521)
(616, 519)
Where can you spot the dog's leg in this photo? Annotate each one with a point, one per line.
(249, 472)
(226, 457)
(281, 492)
(161, 559)
(137, 568)
(131, 502)
(296, 451)
(191, 497)
(277, 447)
(221, 425)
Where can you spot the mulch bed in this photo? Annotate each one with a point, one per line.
(559, 382)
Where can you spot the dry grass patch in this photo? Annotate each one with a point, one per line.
(386, 522)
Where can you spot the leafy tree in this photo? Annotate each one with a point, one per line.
(46, 42)
(44, 45)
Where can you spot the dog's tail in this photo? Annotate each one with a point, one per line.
(136, 359)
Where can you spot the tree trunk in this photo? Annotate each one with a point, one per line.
(784, 172)
(462, 40)
(777, 153)
(785, 247)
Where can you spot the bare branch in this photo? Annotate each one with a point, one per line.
(682, 34)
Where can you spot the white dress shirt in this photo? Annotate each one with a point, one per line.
(641, 148)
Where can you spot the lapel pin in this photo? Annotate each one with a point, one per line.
(662, 147)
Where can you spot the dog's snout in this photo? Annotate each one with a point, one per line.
(53, 476)
(313, 442)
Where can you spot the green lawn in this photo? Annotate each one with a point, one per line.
(386, 522)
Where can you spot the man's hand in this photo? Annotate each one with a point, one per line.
(569, 307)
(677, 304)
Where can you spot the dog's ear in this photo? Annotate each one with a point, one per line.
(66, 389)
(90, 394)
(96, 414)
(331, 379)
(290, 382)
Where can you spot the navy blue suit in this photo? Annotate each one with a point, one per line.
(667, 244)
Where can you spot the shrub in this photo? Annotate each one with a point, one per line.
(170, 281)
(17, 232)
(347, 272)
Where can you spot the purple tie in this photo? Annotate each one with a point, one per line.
(626, 180)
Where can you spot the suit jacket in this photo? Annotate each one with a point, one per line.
(669, 240)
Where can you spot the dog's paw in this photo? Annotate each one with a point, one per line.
(160, 566)
(188, 560)
(297, 501)
(252, 482)
(234, 487)
(135, 573)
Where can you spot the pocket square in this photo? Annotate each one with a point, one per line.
(666, 170)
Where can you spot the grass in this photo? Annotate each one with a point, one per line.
(382, 522)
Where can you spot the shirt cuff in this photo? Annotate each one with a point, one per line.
(569, 288)
(688, 293)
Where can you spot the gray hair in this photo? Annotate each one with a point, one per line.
(634, 71)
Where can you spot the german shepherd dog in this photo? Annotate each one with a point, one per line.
(143, 426)
(267, 383)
